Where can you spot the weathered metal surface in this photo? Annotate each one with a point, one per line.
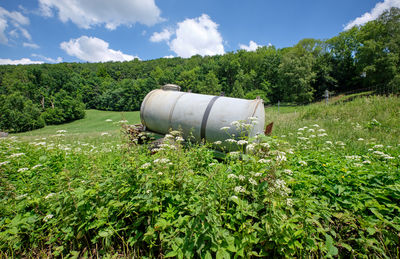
(165, 110)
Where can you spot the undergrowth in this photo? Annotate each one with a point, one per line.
(309, 194)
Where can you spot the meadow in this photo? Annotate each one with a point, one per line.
(326, 183)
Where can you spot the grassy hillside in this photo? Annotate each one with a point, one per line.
(94, 123)
(374, 117)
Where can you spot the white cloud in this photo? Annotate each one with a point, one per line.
(93, 49)
(17, 21)
(88, 13)
(252, 46)
(169, 56)
(3, 26)
(30, 45)
(197, 36)
(49, 60)
(165, 35)
(374, 13)
(22, 61)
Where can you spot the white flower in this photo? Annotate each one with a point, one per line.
(358, 165)
(321, 130)
(366, 162)
(378, 146)
(329, 142)
(61, 131)
(4, 163)
(108, 120)
(47, 217)
(168, 136)
(161, 160)
(230, 140)
(22, 169)
(160, 173)
(179, 139)
(311, 130)
(300, 129)
(360, 139)
(225, 128)
(302, 138)
(16, 155)
(303, 163)
(234, 154)
(288, 171)
(252, 181)
(262, 160)
(235, 123)
(313, 136)
(36, 166)
(280, 157)
(21, 196)
(253, 118)
(283, 136)
(266, 145)
(242, 178)
(299, 133)
(289, 202)
(242, 142)
(322, 135)
(232, 176)
(380, 153)
(50, 195)
(280, 184)
(218, 142)
(104, 133)
(388, 157)
(258, 174)
(354, 157)
(40, 144)
(316, 125)
(239, 189)
(250, 147)
(148, 191)
(123, 121)
(175, 133)
(340, 143)
(145, 165)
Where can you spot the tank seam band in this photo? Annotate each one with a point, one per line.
(205, 117)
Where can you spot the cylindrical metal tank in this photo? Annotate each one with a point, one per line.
(199, 115)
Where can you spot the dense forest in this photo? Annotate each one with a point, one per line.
(363, 57)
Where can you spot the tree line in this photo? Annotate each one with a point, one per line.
(363, 57)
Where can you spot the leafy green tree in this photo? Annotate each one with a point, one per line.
(18, 113)
(210, 85)
(296, 77)
(257, 93)
(343, 49)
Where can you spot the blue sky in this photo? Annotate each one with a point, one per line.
(52, 31)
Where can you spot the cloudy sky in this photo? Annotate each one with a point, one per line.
(53, 31)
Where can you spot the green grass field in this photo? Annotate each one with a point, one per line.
(94, 123)
(374, 117)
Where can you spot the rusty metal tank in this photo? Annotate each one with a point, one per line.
(198, 115)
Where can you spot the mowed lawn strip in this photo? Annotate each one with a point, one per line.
(94, 122)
